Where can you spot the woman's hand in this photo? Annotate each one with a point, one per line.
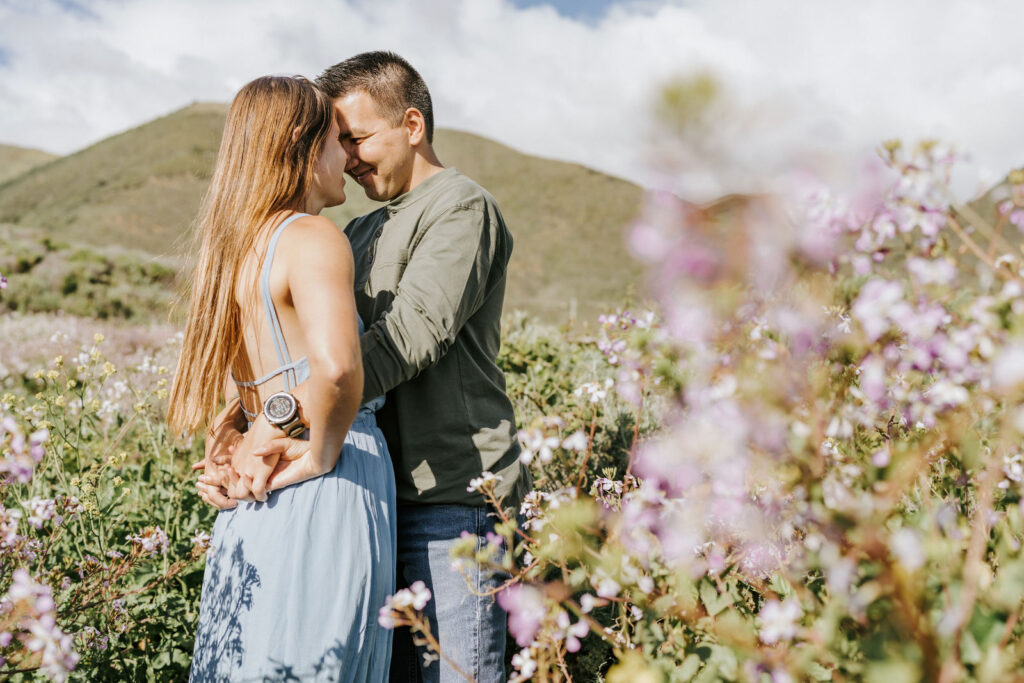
(253, 468)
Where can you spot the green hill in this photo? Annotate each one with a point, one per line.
(14, 161)
(140, 190)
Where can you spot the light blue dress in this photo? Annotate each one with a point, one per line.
(293, 586)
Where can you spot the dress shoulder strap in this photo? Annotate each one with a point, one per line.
(272, 320)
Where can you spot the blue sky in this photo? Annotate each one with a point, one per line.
(576, 9)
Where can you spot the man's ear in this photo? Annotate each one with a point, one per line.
(415, 125)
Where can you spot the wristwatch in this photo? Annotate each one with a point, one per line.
(282, 411)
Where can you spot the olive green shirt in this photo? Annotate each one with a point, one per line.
(430, 282)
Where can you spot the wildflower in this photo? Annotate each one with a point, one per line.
(151, 541)
(526, 610)
(524, 663)
(201, 541)
(906, 545)
(415, 596)
(535, 443)
(41, 510)
(606, 586)
(588, 602)
(779, 620)
(594, 391)
(577, 441)
(485, 482)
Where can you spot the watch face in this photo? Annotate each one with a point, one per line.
(280, 407)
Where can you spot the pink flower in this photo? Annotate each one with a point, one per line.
(152, 541)
(526, 610)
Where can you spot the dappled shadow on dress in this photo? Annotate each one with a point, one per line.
(219, 636)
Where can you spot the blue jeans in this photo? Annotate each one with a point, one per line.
(469, 628)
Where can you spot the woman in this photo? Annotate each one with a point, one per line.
(292, 584)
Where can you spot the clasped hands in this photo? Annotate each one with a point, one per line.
(249, 466)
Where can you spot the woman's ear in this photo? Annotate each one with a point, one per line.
(415, 126)
(296, 133)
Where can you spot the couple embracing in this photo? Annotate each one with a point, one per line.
(359, 376)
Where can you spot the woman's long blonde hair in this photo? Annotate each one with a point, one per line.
(275, 131)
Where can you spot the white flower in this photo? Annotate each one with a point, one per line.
(607, 587)
(201, 540)
(595, 391)
(535, 443)
(779, 620)
(477, 485)
(41, 510)
(905, 544)
(152, 541)
(577, 441)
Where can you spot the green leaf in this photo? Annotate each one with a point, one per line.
(713, 601)
(817, 672)
(689, 668)
(892, 672)
(970, 653)
(779, 584)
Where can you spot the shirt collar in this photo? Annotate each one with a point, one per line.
(424, 189)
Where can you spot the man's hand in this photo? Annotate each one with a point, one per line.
(216, 476)
(254, 468)
(213, 482)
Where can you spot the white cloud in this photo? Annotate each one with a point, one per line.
(810, 82)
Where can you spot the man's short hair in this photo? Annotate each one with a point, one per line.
(388, 79)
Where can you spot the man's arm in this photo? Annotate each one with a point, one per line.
(442, 286)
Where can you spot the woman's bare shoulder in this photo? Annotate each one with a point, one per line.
(314, 234)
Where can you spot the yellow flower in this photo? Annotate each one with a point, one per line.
(162, 393)
(58, 361)
(70, 384)
(125, 491)
(94, 354)
(94, 405)
(118, 481)
(80, 369)
(123, 455)
(52, 374)
(161, 370)
(140, 406)
(109, 368)
(38, 374)
(59, 401)
(161, 382)
(98, 338)
(75, 481)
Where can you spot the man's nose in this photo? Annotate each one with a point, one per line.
(353, 155)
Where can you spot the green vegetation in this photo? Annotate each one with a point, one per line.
(14, 161)
(48, 276)
(141, 189)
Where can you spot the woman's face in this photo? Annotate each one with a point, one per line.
(329, 177)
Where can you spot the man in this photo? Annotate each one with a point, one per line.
(430, 271)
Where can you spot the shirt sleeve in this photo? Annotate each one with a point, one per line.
(442, 286)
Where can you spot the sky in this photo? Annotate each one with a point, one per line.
(803, 83)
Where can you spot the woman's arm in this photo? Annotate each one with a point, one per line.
(221, 438)
(320, 277)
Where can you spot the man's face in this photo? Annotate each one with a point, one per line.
(380, 157)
